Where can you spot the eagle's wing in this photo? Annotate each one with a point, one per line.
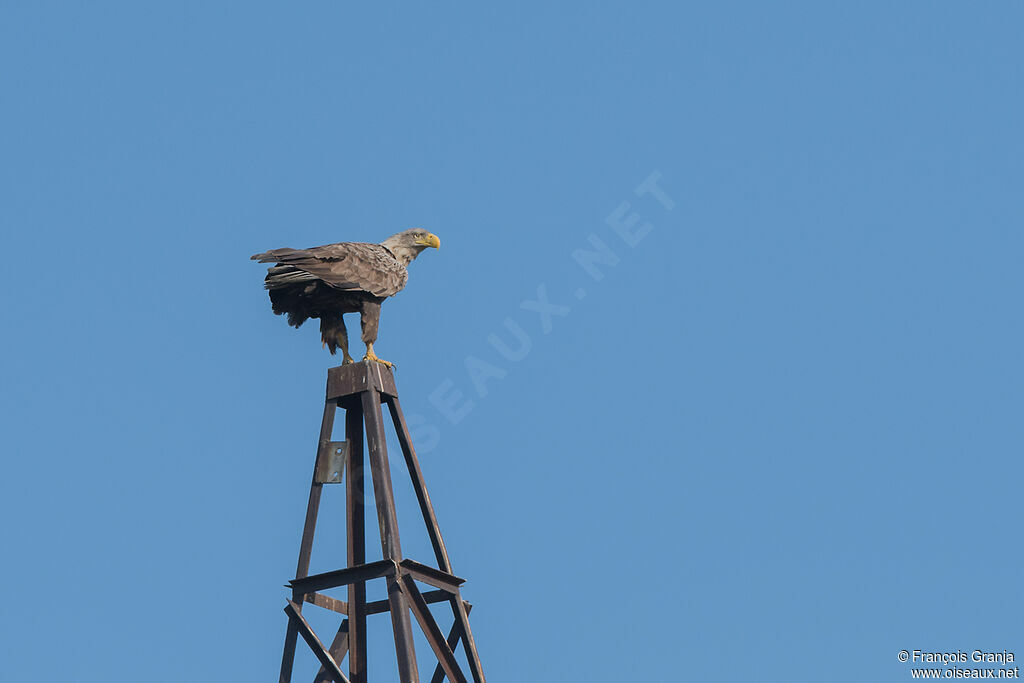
(346, 266)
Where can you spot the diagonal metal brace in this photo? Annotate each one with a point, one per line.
(454, 636)
(295, 614)
(339, 648)
(438, 644)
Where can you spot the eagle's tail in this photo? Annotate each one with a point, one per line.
(281, 255)
(286, 276)
(333, 332)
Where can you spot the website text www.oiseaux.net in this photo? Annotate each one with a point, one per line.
(949, 661)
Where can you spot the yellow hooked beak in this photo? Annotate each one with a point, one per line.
(431, 240)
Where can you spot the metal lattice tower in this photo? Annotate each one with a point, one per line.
(360, 389)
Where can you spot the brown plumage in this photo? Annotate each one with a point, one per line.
(348, 277)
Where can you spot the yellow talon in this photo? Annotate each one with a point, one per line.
(370, 355)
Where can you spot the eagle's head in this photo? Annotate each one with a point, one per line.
(408, 244)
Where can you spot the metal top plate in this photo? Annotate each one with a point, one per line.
(355, 378)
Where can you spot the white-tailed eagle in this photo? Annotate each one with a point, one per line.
(347, 277)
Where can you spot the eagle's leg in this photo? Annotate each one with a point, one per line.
(343, 343)
(369, 317)
(334, 335)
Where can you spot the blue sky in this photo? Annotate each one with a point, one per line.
(778, 439)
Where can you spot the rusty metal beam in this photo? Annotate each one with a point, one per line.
(339, 647)
(355, 525)
(327, 602)
(308, 531)
(295, 615)
(453, 641)
(342, 577)
(462, 619)
(435, 577)
(418, 484)
(434, 636)
(381, 606)
(313, 507)
(288, 659)
(387, 518)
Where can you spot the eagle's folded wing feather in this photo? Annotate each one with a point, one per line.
(347, 266)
